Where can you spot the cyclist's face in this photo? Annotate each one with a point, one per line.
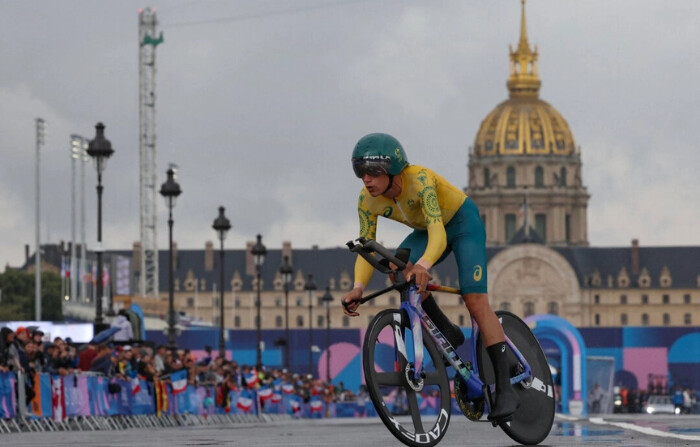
(376, 185)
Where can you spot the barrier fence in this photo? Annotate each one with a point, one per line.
(88, 401)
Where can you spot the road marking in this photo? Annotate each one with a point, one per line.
(645, 430)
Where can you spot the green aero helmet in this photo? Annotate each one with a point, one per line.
(378, 153)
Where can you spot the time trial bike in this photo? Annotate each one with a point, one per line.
(405, 359)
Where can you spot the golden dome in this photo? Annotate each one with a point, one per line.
(524, 124)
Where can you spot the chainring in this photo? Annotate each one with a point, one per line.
(472, 409)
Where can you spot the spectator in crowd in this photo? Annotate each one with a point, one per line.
(64, 361)
(105, 362)
(159, 358)
(86, 356)
(126, 332)
(146, 367)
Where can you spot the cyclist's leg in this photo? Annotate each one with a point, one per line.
(469, 246)
(416, 241)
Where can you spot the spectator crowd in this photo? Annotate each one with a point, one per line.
(26, 350)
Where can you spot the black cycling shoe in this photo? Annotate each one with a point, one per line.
(507, 402)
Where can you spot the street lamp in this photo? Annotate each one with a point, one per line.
(327, 298)
(259, 251)
(221, 225)
(310, 286)
(100, 149)
(170, 190)
(286, 271)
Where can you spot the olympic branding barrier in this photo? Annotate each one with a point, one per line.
(92, 401)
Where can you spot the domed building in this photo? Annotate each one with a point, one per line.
(524, 167)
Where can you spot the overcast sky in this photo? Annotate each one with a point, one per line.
(260, 103)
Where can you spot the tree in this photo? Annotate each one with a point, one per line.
(18, 301)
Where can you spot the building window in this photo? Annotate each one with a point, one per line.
(539, 177)
(667, 319)
(299, 302)
(190, 302)
(369, 319)
(237, 303)
(666, 298)
(645, 299)
(278, 302)
(687, 319)
(257, 321)
(623, 320)
(319, 321)
(216, 320)
(686, 298)
(623, 299)
(510, 177)
(278, 321)
(510, 227)
(346, 321)
(483, 219)
(237, 321)
(596, 299)
(562, 176)
(215, 302)
(505, 306)
(392, 301)
(300, 321)
(529, 309)
(567, 227)
(553, 308)
(319, 302)
(461, 320)
(597, 319)
(645, 319)
(487, 178)
(541, 226)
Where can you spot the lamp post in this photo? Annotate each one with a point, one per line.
(170, 190)
(310, 286)
(327, 298)
(221, 225)
(100, 149)
(259, 251)
(286, 271)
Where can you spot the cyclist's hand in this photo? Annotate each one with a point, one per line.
(421, 276)
(353, 302)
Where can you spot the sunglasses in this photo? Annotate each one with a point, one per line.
(373, 168)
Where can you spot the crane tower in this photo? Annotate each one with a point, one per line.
(148, 41)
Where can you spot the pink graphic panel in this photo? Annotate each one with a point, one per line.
(644, 361)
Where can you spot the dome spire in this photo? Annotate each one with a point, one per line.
(524, 79)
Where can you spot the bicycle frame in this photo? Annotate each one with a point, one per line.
(468, 372)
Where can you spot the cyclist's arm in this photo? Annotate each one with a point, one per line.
(368, 230)
(437, 236)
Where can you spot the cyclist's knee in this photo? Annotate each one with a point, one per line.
(476, 302)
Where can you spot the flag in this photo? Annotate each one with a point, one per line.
(316, 405)
(276, 398)
(179, 380)
(58, 400)
(245, 403)
(135, 385)
(251, 379)
(265, 393)
(65, 267)
(296, 406)
(288, 388)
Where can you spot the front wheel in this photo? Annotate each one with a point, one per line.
(417, 412)
(533, 420)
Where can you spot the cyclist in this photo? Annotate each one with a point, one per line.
(444, 220)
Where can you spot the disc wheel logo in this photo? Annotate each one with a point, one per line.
(477, 273)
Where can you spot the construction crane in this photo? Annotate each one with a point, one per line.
(148, 41)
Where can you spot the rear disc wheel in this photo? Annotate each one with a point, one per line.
(533, 420)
